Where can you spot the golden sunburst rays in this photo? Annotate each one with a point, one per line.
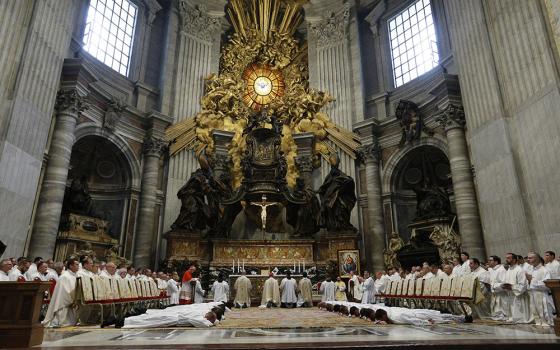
(264, 85)
(265, 17)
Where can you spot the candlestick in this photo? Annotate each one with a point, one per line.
(299, 266)
(233, 265)
(243, 265)
(238, 266)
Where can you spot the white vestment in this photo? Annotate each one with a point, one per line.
(52, 275)
(419, 317)
(242, 288)
(327, 291)
(288, 288)
(173, 292)
(457, 271)
(14, 274)
(4, 277)
(395, 277)
(220, 291)
(518, 297)
(60, 312)
(499, 306)
(199, 293)
(541, 301)
(368, 297)
(304, 292)
(554, 268)
(381, 283)
(465, 267)
(428, 275)
(271, 292)
(357, 287)
(30, 273)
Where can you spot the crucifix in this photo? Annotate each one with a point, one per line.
(263, 204)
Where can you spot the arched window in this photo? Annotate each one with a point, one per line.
(109, 32)
(413, 42)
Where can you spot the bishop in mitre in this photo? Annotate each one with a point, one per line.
(61, 311)
(242, 288)
(271, 292)
(288, 288)
(304, 292)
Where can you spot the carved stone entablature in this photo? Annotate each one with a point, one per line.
(452, 117)
(195, 21)
(71, 101)
(154, 146)
(332, 29)
(371, 152)
(113, 113)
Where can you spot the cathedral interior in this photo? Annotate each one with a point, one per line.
(279, 133)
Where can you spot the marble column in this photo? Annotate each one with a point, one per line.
(374, 237)
(453, 120)
(68, 106)
(153, 148)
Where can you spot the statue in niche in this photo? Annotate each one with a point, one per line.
(431, 202)
(77, 198)
(197, 200)
(338, 198)
(390, 255)
(410, 119)
(113, 113)
(304, 218)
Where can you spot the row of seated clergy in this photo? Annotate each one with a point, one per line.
(462, 289)
(99, 291)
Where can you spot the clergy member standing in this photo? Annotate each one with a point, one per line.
(173, 291)
(355, 286)
(220, 289)
(186, 293)
(327, 290)
(499, 309)
(61, 311)
(271, 292)
(288, 288)
(551, 264)
(516, 284)
(198, 291)
(304, 292)
(242, 288)
(340, 294)
(541, 301)
(368, 296)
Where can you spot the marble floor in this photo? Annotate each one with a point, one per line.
(463, 336)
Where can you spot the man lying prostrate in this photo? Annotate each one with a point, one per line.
(398, 315)
(417, 317)
(196, 315)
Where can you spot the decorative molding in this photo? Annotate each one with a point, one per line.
(332, 29)
(154, 146)
(304, 164)
(71, 101)
(373, 17)
(196, 21)
(370, 153)
(452, 117)
(152, 7)
(113, 113)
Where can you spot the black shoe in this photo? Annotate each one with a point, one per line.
(468, 319)
(244, 306)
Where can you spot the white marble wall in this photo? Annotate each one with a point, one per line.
(510, 92)
(34, 37)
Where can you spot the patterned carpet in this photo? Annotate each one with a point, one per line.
(287, 318)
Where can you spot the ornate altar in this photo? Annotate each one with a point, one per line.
(81, 232)
(259, 136)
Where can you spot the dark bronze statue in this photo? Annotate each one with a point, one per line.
(432, 202)
(338, 198)
(195, 212)
(77, 198)
(305, 217)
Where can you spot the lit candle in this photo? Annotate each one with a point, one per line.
(299, 265)
(233, 265)
(243, 265)
(238, 266)
(304, 265)
(294, 264)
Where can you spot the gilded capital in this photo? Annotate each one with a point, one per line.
(452, 117)
(332, 29)
(70, 101)
(195, 21)
(369, 153)
(154, 146)
(304, 163)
